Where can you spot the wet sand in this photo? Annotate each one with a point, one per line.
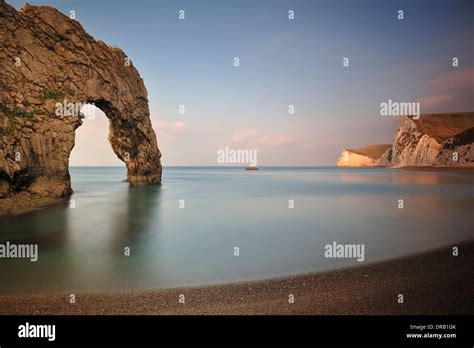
(432, 283)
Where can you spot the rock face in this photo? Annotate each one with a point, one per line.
(48, 60)
(363, 157)
(462, 144)
(434, 140)
(438, 140)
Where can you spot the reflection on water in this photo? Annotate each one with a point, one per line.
(82, 249)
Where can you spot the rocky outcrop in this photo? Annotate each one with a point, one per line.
(439, 140)
(434, 140)
(368, 156)
(50, 67)
(462, 144)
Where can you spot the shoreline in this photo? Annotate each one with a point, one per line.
(432, 283)
(462, 170)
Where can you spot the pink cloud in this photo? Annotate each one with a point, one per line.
(171, 127)
(244, 135)
(458, 79)
(214, 128)
(434, 101)
(276, 140)
(309, 147)
(447, 90)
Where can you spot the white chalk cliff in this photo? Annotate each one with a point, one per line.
(368, 156)
(437, 140)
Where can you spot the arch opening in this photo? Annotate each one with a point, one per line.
(92, 146)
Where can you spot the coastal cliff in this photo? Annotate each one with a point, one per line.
(49, 61)
(433, 140)
(368, 156)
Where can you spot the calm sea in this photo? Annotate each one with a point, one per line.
(82, 248)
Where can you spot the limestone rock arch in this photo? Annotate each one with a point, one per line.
(48, 59)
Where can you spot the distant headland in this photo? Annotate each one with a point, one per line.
(433, 140)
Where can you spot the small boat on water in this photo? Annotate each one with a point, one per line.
(251, 168)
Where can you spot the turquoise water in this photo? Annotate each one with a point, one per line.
(82, 249)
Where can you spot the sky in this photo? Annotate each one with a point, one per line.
(190, 62)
